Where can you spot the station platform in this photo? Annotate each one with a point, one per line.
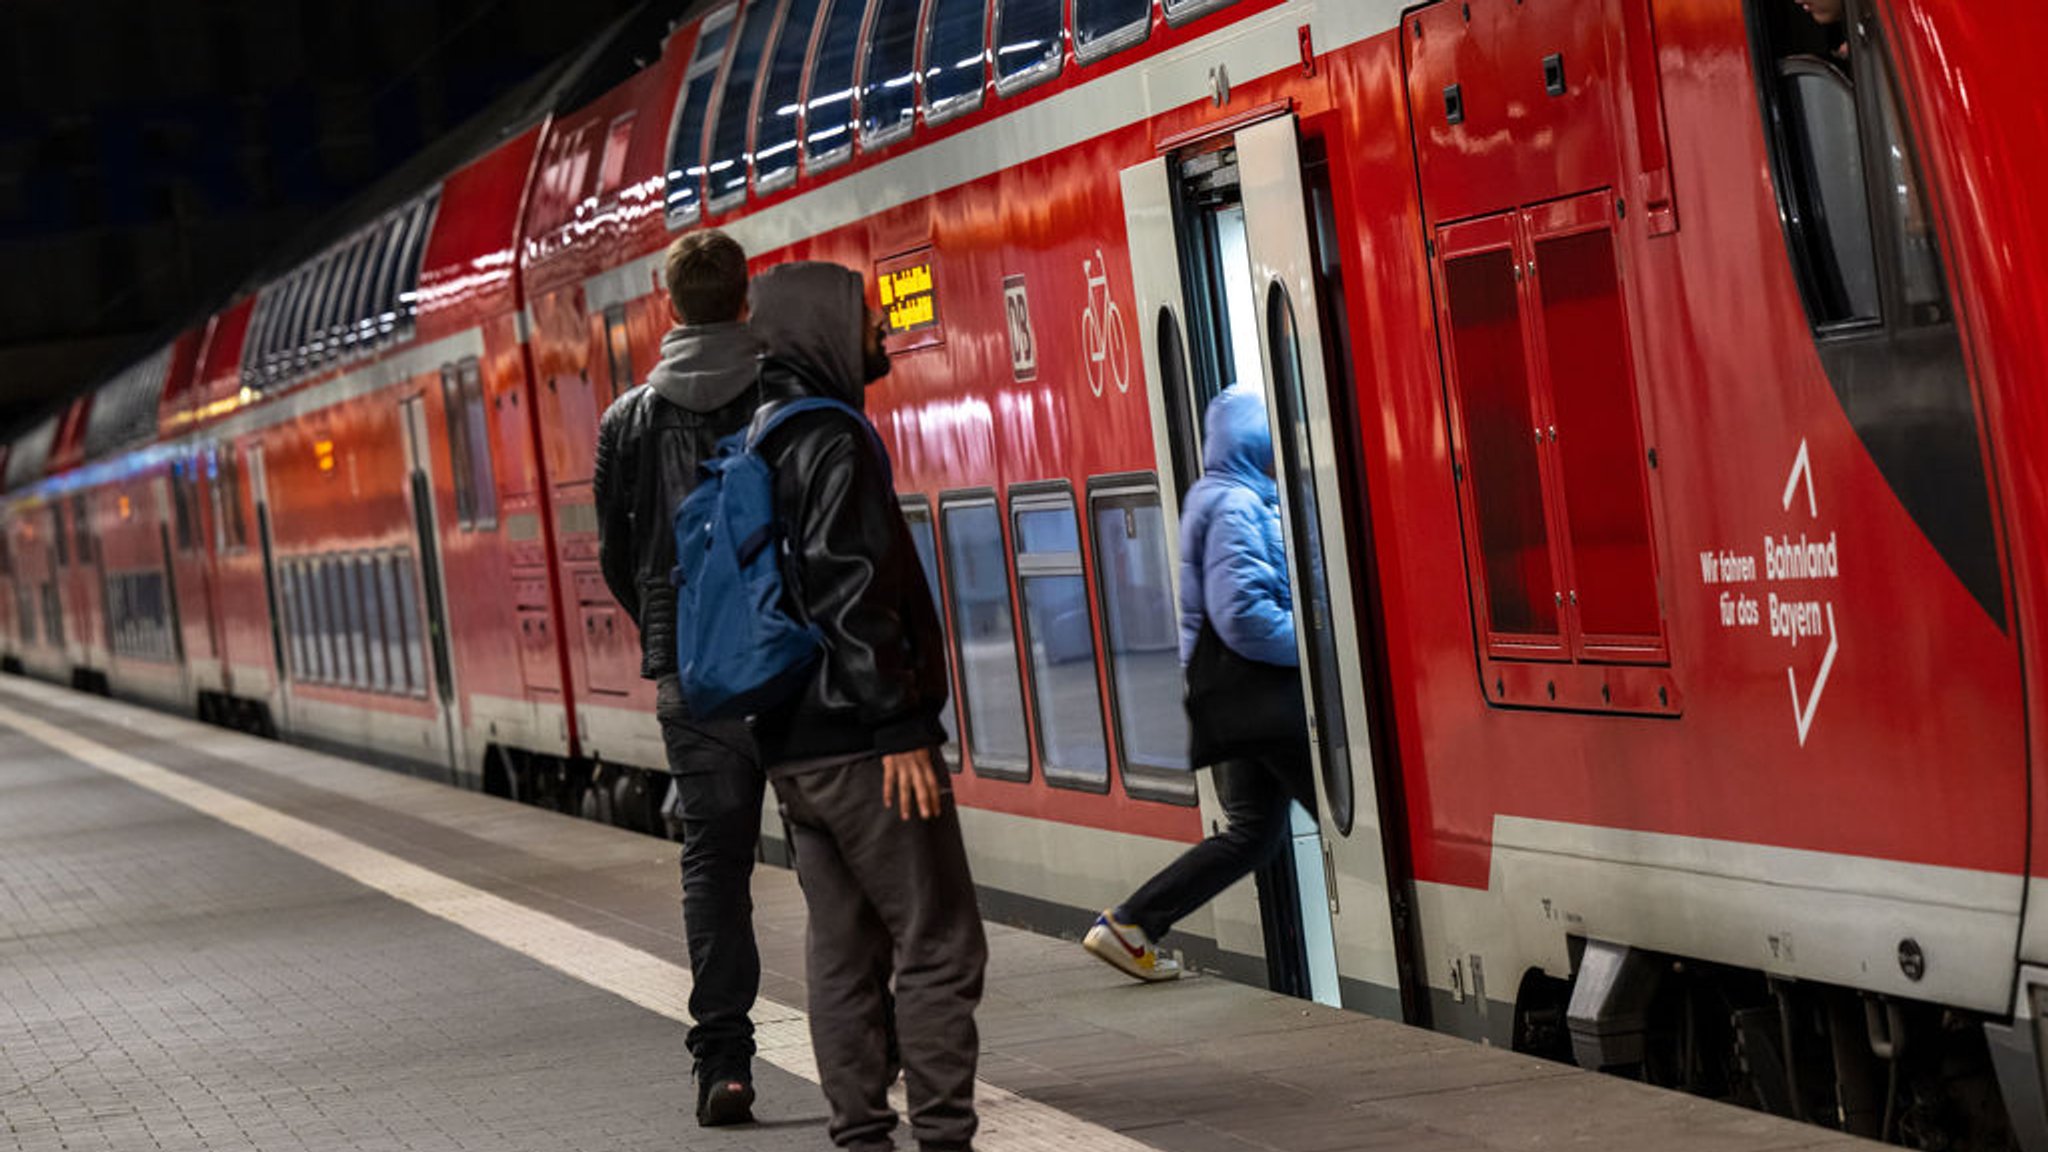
(211, 941)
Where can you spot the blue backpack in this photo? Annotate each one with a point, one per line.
(739, 647)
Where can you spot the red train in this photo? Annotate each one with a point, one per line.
(1651, 379)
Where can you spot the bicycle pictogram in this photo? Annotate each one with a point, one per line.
(1102, 333)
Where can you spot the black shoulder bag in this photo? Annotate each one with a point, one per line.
(1239, 708)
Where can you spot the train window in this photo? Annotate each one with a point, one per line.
(53, 614)
(776, 124)
(955, 57)
(828, 104)
(985, 637)
(483, 482)
(925, 537)
(1030, 43)
(1141, 635)
(321, 318)
(1105, 26)
(1178, 11)
(618, 342)
(611, 167)
(361, 321)
(726, 168)
(352, 612)
(410, 258)
(81, 523)
(288, 598)
(341, 331)
(373, 623)
(231, 531)
(255, 348)
(1060, 640)
(409, 624)
(394, 627)
(469, 445)
(1862, 238)
(888, 84)
(320, 636)
(25, 613)
(686, 136)
(59, 539)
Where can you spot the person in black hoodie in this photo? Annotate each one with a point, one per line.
(855, 756)
(648, 447)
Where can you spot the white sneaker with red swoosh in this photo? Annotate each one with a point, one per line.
(1124, 946)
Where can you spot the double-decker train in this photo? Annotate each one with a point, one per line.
(1650, 382)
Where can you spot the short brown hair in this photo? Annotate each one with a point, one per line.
(707, 277)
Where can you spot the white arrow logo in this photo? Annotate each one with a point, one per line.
(1802, 711)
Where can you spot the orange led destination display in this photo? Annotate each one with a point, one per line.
(908, 291)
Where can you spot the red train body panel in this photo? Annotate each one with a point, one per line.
(1667, 578)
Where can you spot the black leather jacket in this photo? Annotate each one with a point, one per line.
(882, 685)
(648, 449)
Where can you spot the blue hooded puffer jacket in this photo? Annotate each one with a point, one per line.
(1233, 562)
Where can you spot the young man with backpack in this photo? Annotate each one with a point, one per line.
(649, 445)
(853, 749)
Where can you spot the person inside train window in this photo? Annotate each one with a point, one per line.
(855, 754)
(1829, 15)
(1244, 702)
(649, 444)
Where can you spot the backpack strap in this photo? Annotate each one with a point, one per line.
(770, 417)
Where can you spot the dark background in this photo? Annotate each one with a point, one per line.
(153, 154)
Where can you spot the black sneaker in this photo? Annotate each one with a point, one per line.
(724, 1102)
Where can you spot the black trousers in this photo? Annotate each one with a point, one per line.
(719, 790)
(887, 895)
(1255, 796)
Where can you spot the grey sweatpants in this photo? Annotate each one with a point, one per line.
(887, 895)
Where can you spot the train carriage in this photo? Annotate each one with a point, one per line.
(1649, 380)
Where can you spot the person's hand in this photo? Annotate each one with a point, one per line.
(908, 779)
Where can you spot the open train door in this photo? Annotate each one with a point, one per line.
(259, 494)
(1224, 266)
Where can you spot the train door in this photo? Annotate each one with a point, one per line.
(419, 473)
(259, 496)
(1224, 266)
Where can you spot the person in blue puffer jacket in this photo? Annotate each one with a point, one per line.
(1233, 578)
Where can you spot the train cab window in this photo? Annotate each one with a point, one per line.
(776, 123)
(1059, 639)
(1863, 242)
(469, 445)
(924, 535)
(828, 103)
(1030, 43)
(686, 138)
(726, 168)
(955, 57)
(985, 637)
(888, 85)
(1105, 26)
(1141, 636)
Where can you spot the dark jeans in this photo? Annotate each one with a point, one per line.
(719, 790)
(1255, 796)
(887, 894)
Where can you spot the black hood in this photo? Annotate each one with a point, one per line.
(704, 367)
(812, 317)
